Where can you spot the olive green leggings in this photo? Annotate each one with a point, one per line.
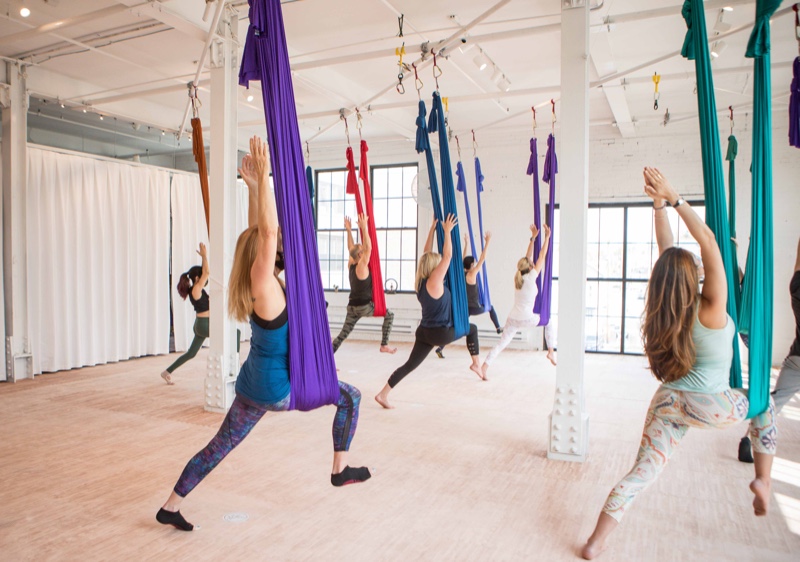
(200, 335)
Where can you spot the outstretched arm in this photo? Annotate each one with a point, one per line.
(482, 259)
(797, 261)
(529, 251)
(348, 226)
(366, 241)
(264, 265)
(250, 177)
(545, 247)
(437, 276)
(429, 241)
(715, 284)
(197, 288)
(664, 237)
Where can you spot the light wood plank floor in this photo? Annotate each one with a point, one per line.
(88, 456)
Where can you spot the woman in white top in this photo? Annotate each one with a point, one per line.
(522, 315)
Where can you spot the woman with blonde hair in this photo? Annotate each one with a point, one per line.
(255, 293)
(688, 340)
(436, 326)
(522, 315)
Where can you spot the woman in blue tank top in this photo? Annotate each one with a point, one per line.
(256, 293)
(688, 340)
(436, 326)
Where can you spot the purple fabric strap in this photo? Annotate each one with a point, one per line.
(461, 185)
(549, 176)
(486, 300)
(311, 366)
(794, 105)
(533, 170)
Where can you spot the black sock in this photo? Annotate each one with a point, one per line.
(350, 476)
(745, 450)
(173, 518)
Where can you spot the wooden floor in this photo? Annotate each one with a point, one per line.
(88, 456)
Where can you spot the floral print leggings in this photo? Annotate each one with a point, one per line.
(671, 414)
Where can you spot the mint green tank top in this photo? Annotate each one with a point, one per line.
(711, 371)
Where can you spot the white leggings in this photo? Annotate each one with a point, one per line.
(512, 327)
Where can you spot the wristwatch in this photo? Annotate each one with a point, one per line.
(678, 203)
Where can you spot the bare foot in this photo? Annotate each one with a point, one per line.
(591, 551)
(484, 369)
(477, 370)
(381, 399)
(167, 377)
(761, 501)
(552, 358)
(387, 349)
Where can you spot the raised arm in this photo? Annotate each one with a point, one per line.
(348, 226)
(429, 241)
(797, 260)
(715, 285)
(482, 259)
(464, 249)
(436, 278)
(545, 247)
(529, 251)
(197, 288)
(366, 242)
(664, 237)
(250, 177)
(264, 266)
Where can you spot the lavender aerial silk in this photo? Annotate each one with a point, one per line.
(549, 176)
(487, 301)
(311, 367)
(533, 170)
(461, 185)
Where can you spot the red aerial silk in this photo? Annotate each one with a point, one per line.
(378, 295)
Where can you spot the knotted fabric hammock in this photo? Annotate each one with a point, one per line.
(199, 150)
(757, 297)
(378, 295)
(695, 47)
(486, 301)
(461, 185)
(311, 366)
(733, 149)
(533, 170)
(545, 296)
(455, 278)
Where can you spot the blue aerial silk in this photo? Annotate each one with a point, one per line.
(757, 297)
(695, 47)
(455, 279)
(312, 371)
(461, 185)
(486, 300)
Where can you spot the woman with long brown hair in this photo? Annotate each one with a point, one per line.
(688, 340)
(255, 293)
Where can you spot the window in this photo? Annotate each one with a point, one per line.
(621, 251)
(395, 216)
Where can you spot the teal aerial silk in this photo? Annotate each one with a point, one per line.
(757, 297)
(695, 47)
(733, 150)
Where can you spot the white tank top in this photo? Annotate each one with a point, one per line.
(525, 297)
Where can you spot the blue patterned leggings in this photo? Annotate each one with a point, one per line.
(244, 415)
(671, 414)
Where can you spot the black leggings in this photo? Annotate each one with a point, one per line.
(427, 338)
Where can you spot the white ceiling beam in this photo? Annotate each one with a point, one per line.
(149, 92)
(604, 64)
(157, 11)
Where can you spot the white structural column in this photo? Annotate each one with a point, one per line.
(569, 422)
(223, 359)
(14, 103)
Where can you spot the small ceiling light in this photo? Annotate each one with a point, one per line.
(84, 110)
(481, 61)
(101, 118)
(718, 48)
(249, 97)
(504, 84)
(728, 8)
(163, 133)
(24, 12)
(721, 26)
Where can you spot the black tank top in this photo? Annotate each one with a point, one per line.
(201, 304)
(360, 290)
(436, 313)
(472, 296)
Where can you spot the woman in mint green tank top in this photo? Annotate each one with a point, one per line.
(688, 340)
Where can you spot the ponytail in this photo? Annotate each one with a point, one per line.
(184, 286)
(524, 267)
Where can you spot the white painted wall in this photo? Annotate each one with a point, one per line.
(615, 175)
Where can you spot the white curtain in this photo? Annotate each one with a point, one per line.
(188, 231)
(98, 260)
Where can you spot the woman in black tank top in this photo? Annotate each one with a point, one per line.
(191, 284)
(436, 326)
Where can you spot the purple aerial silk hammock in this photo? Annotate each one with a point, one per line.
(486, 301)
(311, 367)
(549, 176)
(794, 106)
(461, 185)
(533, 170)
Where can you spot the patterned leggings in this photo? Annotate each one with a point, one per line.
(244, 415)
(356, 313)
(671, 414)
